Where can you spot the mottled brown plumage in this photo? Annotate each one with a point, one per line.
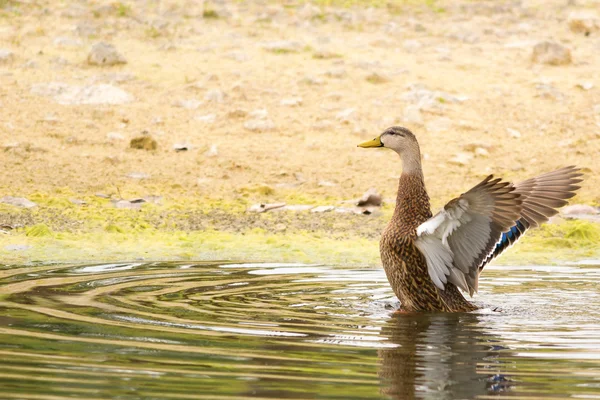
(427, 258)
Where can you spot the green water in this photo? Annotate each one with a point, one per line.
(283, 331)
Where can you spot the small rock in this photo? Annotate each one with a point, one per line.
(237, 114)
(311, 80)
(282, 46)
(322, 125)
(215, 96)
(551, 53)
(309, 11)
(322, 209)
(260, 113)
(370, 198)
(178, 147)
(585, 85)
(78, 202)
(336, 73)
(128, 204)
(377, 78)
(138, 175)
(280, 227)
(105, 54)
(102, 195)
(6, 56)
(259, 125)
(439, 125)
(461, 159)
(583, 22)
(345, 116)
(17, 247)
(190, 104)
(481, 152)
(114, 136)
(326, 184)
(411, 45)
(325, 55)
(143, 142)
(74, 95)
(291, 102)
(213, 151)
(208, 118)
(579, 209)
(260, 208)
(513, 133)
(67, 42)
(412, 114)
(18, 202)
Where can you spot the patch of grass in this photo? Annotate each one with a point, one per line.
(210, 14)
(123, 10)
(39, 230)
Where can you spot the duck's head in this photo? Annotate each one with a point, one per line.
(397, 138)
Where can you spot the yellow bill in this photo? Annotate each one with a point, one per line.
(372, 143)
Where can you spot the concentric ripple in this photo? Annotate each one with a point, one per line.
(233, 331)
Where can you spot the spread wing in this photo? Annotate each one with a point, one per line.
(542, 196)
(476, 227)
(464, 233)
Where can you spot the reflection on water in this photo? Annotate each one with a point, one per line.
(440, 356)
(233, 331)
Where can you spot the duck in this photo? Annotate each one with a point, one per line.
(431, 260)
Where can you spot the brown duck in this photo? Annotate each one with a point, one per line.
(427, 258)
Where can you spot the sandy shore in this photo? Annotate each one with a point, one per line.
(269, 101)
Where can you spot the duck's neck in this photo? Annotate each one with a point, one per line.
(412, 203)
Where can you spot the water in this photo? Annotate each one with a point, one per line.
(277, 331)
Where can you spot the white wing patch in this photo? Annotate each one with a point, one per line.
(438, 257)
(450, 240)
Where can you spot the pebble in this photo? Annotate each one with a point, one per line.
(345, 116)
(412, 114)
(208, 118)
(143, 142)
(74, 95)
(215, 96)
(551, 53)
(6, 56)
(377, 78)
(513, 133)
(439, 125)
(291, 102)
(115, 136)
(325, 54)
(322, 125)
(585, 22)
(412, 45)
(67, 42)
(138, 175)
(322, 209)
(18, 202)
(213, 151)
(105, 54)
(238, 113)
(282, 46)
(336, 73)
(578, 209)
(585, 85)
(259, 125)
(188, 104)
(260, 113)
(126, 204)
(461, 159)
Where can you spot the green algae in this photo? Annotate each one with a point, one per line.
(39, 230)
